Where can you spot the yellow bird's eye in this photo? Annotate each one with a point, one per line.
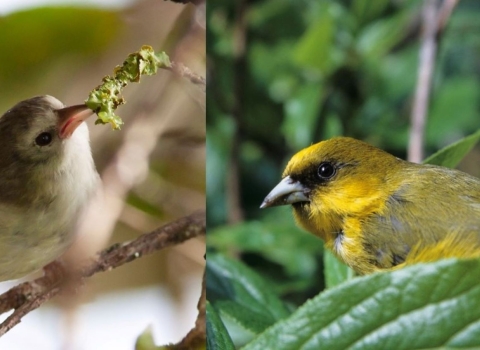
(326, 170)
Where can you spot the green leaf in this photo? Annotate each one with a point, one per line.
(316, 47)
(217, 335)
(457, 96)
(335, 271)
(377, 39)
(333, 126)
(144, 205)
(276, 237)
(145, 340)
(272, 69)
(245, 302)
(366, 10)
(424, 306)
(301, 113)
(451, 155)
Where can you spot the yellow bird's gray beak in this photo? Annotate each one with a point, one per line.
(286, 192)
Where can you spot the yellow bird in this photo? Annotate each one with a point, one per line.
(376, 211)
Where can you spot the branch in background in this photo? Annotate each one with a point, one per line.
(195, 2)
(444, 15)
(185, 72)
(413, 29)
(434, 22)
(425, 71)
(30, 295)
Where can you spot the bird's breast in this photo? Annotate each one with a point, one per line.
(33, 236)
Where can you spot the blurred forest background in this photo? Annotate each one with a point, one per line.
(153, 170)
(285, 74)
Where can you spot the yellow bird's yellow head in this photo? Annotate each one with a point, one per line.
(332, 180)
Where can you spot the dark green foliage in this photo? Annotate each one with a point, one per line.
(313, 70)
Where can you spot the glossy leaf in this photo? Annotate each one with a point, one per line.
(378, 38)
(245, 302)
(335, 271)
(451, 155)
(423, 306)
(366, 10)
(315, 48)
(455, 101)
(276, 237)
(217, 335)
(301, 113)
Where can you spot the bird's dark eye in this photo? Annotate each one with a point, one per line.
(43, 139)
(326, 170)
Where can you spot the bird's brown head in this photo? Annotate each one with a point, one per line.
(333, 179)
(34, 130)
(40, 139)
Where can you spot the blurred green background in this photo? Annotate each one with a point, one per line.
(285, 74)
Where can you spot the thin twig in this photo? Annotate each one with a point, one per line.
(26, 291)
(434, 22)
(195, 2)
(444, 15)
(25, 308)
(185, 72)
(168, 235)
(30, 295)
(425, 72)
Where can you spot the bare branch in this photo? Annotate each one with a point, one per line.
(425, 72)
(444, 15)
(168, 235)
(185, 72)
(20, 294)
(195, 2)
(434, 22)
(25, 308)
(30, 295)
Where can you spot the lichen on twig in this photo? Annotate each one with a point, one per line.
(106, 97)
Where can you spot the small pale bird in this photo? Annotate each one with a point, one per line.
(47, 178)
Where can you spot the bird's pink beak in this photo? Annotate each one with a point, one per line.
(69, 118)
